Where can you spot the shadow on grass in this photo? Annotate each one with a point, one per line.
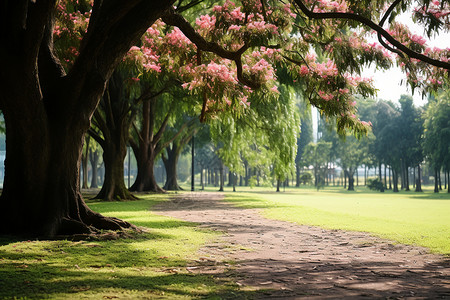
(101, 270)
(290, 278)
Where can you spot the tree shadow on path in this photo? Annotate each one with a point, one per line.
(285, 260)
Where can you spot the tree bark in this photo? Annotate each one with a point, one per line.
(47, 112)
(221, 177)
(114, 118)
(145, 179)
(419, 180)
(380, 177)
(448, 182)
(93, 158)
(406, 178)
(170, 164)
(351, 181)
(436, 181)
(84, 162)
(395, 179)
(113, 188)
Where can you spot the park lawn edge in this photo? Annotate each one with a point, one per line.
(420, 234)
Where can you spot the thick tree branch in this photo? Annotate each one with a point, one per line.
(377, 28)
(141, 139)
(185, 124)
(38, 17)
(380, 39)
(162, 128)
(96, 137)
(174, 19)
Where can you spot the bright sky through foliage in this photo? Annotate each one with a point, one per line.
(392, 83)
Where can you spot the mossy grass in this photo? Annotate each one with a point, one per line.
(407, 217)
(152, 265)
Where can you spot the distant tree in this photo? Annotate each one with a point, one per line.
(173, 150)
(351, 154)
(111, 130)
(317, 155)
(436, 143)
(305, 137)
(410, 127)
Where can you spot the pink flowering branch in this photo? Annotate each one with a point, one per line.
(174, 19)
(350, 16)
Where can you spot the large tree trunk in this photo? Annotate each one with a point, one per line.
(113, 188)
(170, 164)
(47, 112)
(41, 194)
(145, 179)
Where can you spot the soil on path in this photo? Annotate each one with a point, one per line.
(292, 261)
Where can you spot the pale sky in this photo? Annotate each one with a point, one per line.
(389, 82)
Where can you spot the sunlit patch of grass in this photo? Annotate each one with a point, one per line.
(153, 265)
(407, 217)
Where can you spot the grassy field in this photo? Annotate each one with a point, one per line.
(152, 266)
(407, 217)
(156, 264)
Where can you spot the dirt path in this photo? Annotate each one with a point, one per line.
(294, 261)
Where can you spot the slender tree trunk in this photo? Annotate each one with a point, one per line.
(357, 177)
(407, 178)
(93, 158)
(390, 177)
(365, 175)
(395, 180)
(247, 174)
(201, 179)
(222, 179)
(84, 162)
(297, 175)
(448, 183)
(436, 183)
(380, 177)
(351, 181)
(403, 175)
(385, 179)
(419, 180)
(440, 182)
(345, 179)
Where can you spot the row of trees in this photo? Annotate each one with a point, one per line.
(404, 137)
(61, 60)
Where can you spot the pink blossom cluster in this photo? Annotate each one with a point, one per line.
(206, 23)
(436, 9)
(325, 96)
(327, 5)
(356, 80)
(177, 38)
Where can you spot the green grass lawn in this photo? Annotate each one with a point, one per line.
(150, 266)
(407, 217)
